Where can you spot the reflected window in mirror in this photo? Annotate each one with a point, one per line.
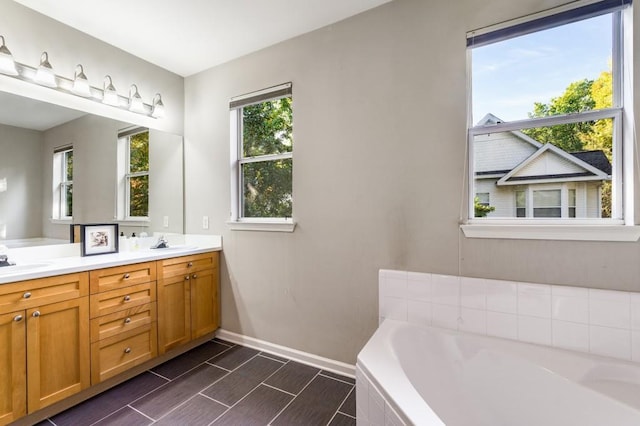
(133, 159)
(63, 183)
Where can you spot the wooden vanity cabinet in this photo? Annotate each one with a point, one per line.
(188, 305)
(123, 318)
(44, 342)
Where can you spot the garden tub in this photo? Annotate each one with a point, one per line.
(431, 376)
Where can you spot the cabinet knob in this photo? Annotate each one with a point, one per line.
(127, 350)
(127, 298)
(17, 318)
(194, 276)
(26, 295)
(190, 264)
(36, 314)
(187, 278)
(126, 276)
(127, 320)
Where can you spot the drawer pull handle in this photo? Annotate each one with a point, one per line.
(126, 276)
(127, 298)
(26, 295)
(17, 318)
(190, 264)
(127, 320)
(187, 278)
(127, 350)
(194, 276)
(36, 314)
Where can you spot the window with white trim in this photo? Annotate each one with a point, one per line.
(63, 183)
(262, 155)
(546, 138)
(133, 172)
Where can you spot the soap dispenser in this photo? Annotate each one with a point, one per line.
(133, 245)
(123, 243)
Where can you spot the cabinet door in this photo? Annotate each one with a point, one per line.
(174, 312)
(204, 302)
(13, 374)
(57, 351)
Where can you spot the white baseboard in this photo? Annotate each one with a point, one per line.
(293, 354)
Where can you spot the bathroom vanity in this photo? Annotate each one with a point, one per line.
(75, 327)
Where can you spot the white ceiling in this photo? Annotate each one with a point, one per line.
(190, 36)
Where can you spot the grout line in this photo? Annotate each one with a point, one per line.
(293, 399)
(212, 399)
(340, 405)
(159, 375)
(345, 414)
(248, 393)
(266, 355)
(278, 389)
(140, 412)
(336, 379)
(217, 366)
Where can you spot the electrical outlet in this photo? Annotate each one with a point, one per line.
(165, 221)
(205, 222)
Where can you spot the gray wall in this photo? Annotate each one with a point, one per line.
(379, 159)
(21, 200)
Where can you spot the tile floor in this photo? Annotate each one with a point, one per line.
(219, 383)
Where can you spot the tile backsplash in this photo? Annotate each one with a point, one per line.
(602, 322)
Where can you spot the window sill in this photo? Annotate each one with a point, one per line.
(62, 221)
(134, 222)
(258, 225)
(553, 232)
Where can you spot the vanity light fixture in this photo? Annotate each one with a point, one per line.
(135, 100)
(81, 85)
(7, 64)
(158, 107)
(110, 95)
(44, 74)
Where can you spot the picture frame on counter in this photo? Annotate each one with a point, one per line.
(98, 239)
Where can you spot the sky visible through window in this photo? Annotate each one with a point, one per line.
(509, 76)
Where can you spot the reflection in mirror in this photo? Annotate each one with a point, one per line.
(39, 185)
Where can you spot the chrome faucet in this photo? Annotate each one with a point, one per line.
(4, 260)
(162, 243)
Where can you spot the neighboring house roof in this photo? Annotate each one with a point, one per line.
(596, 158)
(540, 162)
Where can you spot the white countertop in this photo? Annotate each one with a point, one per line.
(40, 262)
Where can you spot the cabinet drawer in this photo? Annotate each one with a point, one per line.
(120, 276)
(122, 321)
(187, 264)
(122, 298)
(116, 354)
(31, 293)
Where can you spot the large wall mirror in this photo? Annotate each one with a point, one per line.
(32, 132)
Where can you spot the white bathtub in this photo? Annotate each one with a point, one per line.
(431, 376)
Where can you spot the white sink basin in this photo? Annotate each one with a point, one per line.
(22, 267)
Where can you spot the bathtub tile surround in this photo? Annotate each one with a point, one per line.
(601, 322)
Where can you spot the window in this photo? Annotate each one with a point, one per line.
(133, 169)
(483, 198)
(547, 109)
(521, 204)
(546, 203)
(63, 183)
(262, 156)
